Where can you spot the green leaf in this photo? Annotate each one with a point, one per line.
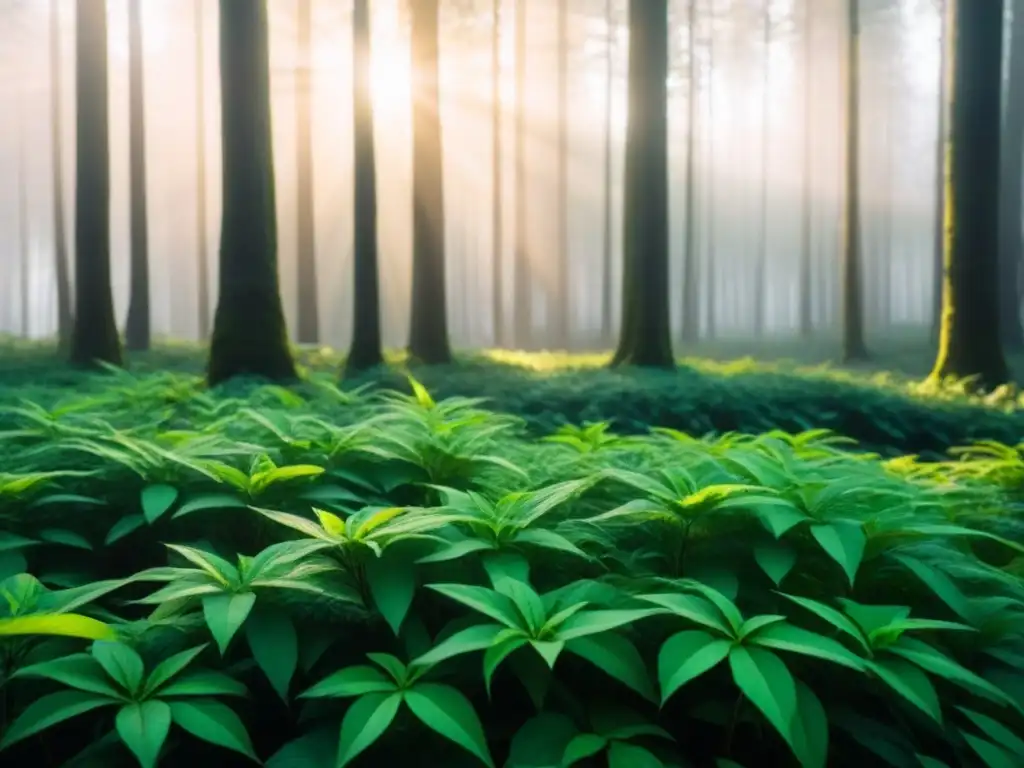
(940, 584)
(992, 755)
(996, 731)
(225, 614)
(934, 661)
(549, 650)
(123, 527)
(623, 755)
(122, 663)
(51, 710)
(541, 741)
(476, 638)
(582, 746)
(617, 657)
(66, 538)
(492, 604)
(810, 729)
(786, 637)
(776, 560)
(156, 500)
(79, 670)
(509, 642)
(910, 683)
(171, 667)
(687, 655)
(456, 551)
(695, 609)
(365, 722)
(143, 728)
(275, 646)
(837, 619)
(596, 622)
(844, 542)
(539, 537)
(392, 583)
(214, 723)
(351, 681)
(209, 501)
(446, 711)
(64, 625)
(203, 683)
(764, 679)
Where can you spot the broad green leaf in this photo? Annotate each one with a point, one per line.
(476, 638)
(398, 671)
(844, 542)
(156, 500)
(597, 622)
(351, 681)
(123, 527)
(726, 606)
(872, 617)
(457, 550)
(275, 646)
(507, 642)
(527, 602)
(617, 657)
(756, 624)
(203, 683)
(996, 731)
(65, 625)
(940, 584)
(171, 667)
(764, 679)
(50, 710)
(539, 537)
(393, 584)
(549, 650)
(446, 711)
(209, 501)
(837, 619)
(910, 683)
(365, 722)
(623, 755)
(225, 614)
(65, 538)
(215, 723)
(786, 637)
(217, 568)
(122, 663)
(777, 515)
(492, 604)
(582, 746)
(810, 729)
(992, 755)
(775, 559)
(691, 607)
(143, 728)
(687, 655)
(79, 670)
(541, 741)
(935, 662)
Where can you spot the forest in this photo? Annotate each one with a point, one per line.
(521, 383)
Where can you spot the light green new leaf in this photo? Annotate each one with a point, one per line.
(275, 646)
(225, 614)
(143, 728)
(63, 625)
(687, 655)
(446, 711)
(51, 710)
(365, 722)
(766, 681)
(215, 723)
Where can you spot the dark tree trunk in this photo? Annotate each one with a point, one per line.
(137, 326)
(366, 350)
(1011, 194)
(202, 248)
(62, 268)
(308, 331)
(497, 244)
(645, 338)
(607, 249)
(853, 344)
(969, 342)
(942, 136)
(691, 275)
(250, 336)
(95, 338)
(560, 310)
(806, 320)
(522, 283)
(428, 332)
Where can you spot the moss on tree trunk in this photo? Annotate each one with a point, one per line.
(969, 339)
(249, 332)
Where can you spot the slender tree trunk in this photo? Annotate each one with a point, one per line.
(250, 336)
(95, 338)
(691, 275)
(969, 341)
(428, 333)
(497, 209)
(761, 266)
(646, 334)
(560, 311)
(1011, 194)
(806, 243)
(853, 313)
(202, 247)
(62, 266)
(24, 237)
(607, 246)
(366, 350)
(711, 279)
(523, 281)
(942, 136)
(137, 327)
(308, 331)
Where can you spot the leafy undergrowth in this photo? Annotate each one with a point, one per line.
(318, 577)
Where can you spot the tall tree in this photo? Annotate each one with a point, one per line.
(942, 136)
(645, 338)
(60, 236)
(249, 331)
(497, 243)
(1011, 192)
(202, 248)
(308, 331)
(137, 327)
(560, 312)
(428, 332)
(853, 346)
(761, 265)
(607, 247)
(969, 341)
(807, 217)
(711, 278)
(522, 284)
(365, 351)
(24, 236)
(95, 337)
(691, 277)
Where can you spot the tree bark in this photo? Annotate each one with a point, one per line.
(137, 326)
(62, 267)
(497, 193)
(202, 234)
(806, 320)
(942, 136)
(522, 284)
(250, 336)
(560, 310)
(25, 266)
(711, 278)
(308, 331)
(761, 265)
(969, 340)
(607, 247)
(1011, 193)
(95, 338)
(645, 339)
(366, 350)
(691, 273)
(428, 332)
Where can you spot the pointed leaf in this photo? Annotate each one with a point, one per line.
(48, 711)
(446, 711)
(765, 680)
(365, 722)
(617, 657)
(844, 542)
(687, 655)
(122, 663)
(225, 614)
(215, 723)
(596, 622)
(393, 584)
(351, 681)
(143, 728)
(156, 500)
(275, 646)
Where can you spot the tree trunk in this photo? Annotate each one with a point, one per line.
(942, 136)
(806, 320)
(852, 268)
(560, 311)
(645, 339)
(1011, 193)
(137, 327)
(202, 248)
(366, 350)
(24, 239)
(428, 332)
(95, 338)
(60, 237)
(761, 265)
(691, 275)
(969, 342)
(606, 244)
(711, 278)
(522, 284)
(250, 336)
(308, 331)
(497, 112)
